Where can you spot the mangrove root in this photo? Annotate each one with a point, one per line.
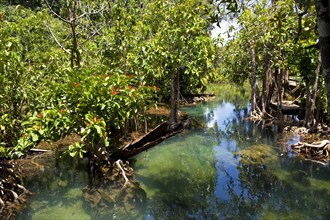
(12, 193)
(315, 151)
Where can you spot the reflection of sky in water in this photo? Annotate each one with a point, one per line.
(227, 172)
(226, 164)
(219, 114)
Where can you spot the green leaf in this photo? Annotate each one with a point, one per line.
(34, 137)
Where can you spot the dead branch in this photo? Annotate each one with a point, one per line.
(89, 13)
(39, 150)
(54, 37)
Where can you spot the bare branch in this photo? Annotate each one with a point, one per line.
(54, 13)
(90, 13)
(58, 43)
(95, 32)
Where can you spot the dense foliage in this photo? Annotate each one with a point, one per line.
(94, 67)
(272, 49)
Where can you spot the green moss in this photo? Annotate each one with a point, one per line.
(257, 155)
(292, 214)
(62, 211)
(301, 181)
(320, 185)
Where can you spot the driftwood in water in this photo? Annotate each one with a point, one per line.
(316, 151)
(154, 137)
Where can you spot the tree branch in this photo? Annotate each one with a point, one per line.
(95, 32)
(54, 13)
(89, 13)
(58, 43)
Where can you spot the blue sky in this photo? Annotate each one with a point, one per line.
(224, 28)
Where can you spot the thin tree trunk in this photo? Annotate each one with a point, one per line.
(174, 116)
(253, 82)
(309, 120)
(75, 55)
(266, 84)
(323, 23)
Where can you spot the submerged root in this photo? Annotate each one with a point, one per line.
(117, 192)
(12, 193)
(119, 164)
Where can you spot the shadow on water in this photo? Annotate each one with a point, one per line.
(228, 168)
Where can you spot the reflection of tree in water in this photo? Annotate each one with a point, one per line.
(283, 187)
(268, 191)
(248, 190)
(245, 132)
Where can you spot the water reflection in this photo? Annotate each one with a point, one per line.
(230, 168)
(244, 175)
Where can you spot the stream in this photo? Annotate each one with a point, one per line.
(226, 168)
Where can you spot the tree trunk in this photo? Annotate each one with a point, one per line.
(323, 23)
(174, 116)
(75, 55)
(253, 82)
(311, 97)
(266, 85)
(308, 120)
(279, 84)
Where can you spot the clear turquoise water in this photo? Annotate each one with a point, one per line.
(209, 172)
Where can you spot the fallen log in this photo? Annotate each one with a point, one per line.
(154, 137)
(288, 108)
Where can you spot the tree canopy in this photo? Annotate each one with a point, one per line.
(94, 67)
